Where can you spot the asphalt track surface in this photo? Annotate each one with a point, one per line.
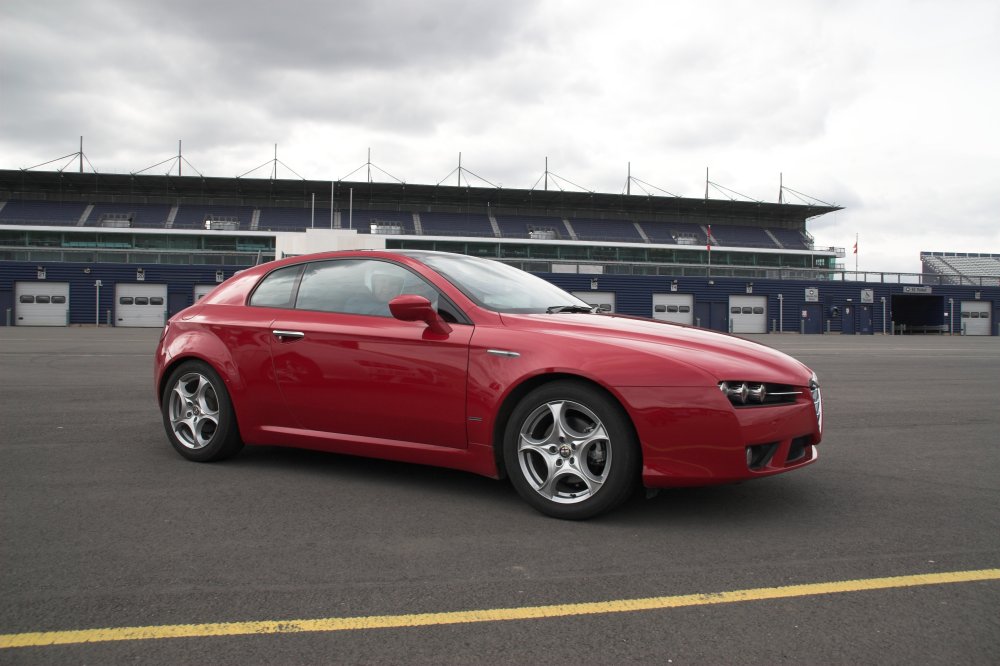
(103, 527)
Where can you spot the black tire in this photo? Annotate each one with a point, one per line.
(198, 414)
(580, 456)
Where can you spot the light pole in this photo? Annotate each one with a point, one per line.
(97, 303)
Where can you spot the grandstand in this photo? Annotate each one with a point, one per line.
(509, 225)
(962, 268)
(93, 248)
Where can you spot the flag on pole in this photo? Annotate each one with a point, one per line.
(709, 238)
(855, 247)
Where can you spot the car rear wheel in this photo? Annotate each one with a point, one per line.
(570, 451)
(198, 414)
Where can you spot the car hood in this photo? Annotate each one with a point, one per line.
(725, 357)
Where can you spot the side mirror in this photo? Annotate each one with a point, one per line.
(410, 307)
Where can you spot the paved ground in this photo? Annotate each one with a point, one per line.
(103, 525)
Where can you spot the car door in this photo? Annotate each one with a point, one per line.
(347, 368)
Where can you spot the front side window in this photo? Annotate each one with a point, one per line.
(358, 286)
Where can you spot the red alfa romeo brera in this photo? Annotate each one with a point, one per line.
(450, 360)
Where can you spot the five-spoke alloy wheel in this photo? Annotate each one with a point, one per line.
(570, 450)
(198, 415)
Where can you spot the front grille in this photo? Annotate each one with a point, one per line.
(758, 394)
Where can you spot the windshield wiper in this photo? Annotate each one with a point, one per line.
(568, 308)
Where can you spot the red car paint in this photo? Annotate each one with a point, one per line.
(401, 390)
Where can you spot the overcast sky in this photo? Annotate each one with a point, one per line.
(888, 108)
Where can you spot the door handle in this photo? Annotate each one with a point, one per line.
(286, 336)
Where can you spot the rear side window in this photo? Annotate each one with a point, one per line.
(277, 289)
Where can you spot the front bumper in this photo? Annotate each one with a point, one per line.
(694, 437)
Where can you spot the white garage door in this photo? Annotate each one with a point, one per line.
(140, 305)
(748, 314)
(678, 308)
(202, 290)
(41, 303)
(602, 300)
(976, 317)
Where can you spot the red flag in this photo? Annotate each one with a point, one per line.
(855, 247)
(709, 239)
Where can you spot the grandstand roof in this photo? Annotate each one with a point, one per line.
(93, 187)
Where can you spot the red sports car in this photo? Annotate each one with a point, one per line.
(450, 360)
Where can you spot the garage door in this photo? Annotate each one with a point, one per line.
(602, 300)
(140, 305)
(748, 314)
(976, 317)
(41, 303)
(678, 308)
(201, 290)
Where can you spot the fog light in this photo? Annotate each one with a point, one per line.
(749, 457)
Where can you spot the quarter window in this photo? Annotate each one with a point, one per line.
(277, 289)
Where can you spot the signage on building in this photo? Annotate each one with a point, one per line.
(867, 295)
(812, 295)
(917, 290)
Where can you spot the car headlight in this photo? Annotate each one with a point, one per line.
(817, 398)
(748, 394)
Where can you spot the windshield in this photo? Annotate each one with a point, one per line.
(500, 287)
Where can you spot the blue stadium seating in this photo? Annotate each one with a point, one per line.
(455, 224)
(606, 230)
(290, 219)
(193, 216)
(512, 226)
(42, 213)
(670, 232)
(741, 236)
(790, 239)
(143, 215)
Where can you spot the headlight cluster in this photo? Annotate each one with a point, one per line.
(817, 399)
(743, 393)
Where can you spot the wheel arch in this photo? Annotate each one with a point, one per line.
(175, 363)
(528, 385)
(203, 346)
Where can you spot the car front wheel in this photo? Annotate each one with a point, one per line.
(198, 414)
(570, 451)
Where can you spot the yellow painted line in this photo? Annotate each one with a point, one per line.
(42, 638)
